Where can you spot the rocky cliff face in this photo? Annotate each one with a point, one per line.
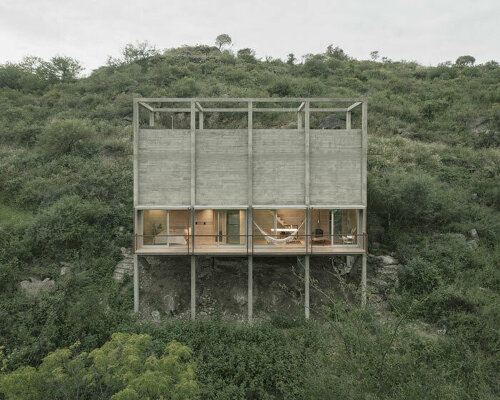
(221, 286)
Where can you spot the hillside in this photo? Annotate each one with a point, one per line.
(434, 200)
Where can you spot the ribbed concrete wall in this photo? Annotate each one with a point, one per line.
(164, 167)
(278, 167)
(221, 167)
(336, 167)
(164, 162)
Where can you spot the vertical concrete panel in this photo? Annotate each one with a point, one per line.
(278, 167)
(336, 163)
(221, 167)
(164, 167)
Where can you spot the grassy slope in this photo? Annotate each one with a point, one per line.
(432, 182)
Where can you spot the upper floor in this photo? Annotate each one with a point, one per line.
(250, 155)
(260, 231)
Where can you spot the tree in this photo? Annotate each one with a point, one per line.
(64, 68)
(374, 55)
(223, 40)
(291, 59)
(336, 52)
(59, 68)
(315, 66)
(139, 52)
(61, 136)
(465, 61)
(123, 368)
(247, 55)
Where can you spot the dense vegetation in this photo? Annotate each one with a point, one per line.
(65, 197)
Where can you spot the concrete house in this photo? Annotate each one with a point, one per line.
(214, 177)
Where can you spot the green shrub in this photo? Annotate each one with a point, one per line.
(71, 227)
(62, 136)
(123, 368)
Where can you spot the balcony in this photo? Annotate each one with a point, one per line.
(187, 244)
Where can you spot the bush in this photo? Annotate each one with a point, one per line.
(185, 87)
(62, 136)
(123, 368)
(420, 276)
(281, 88)
(71, 227)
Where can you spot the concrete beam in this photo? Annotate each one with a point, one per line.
(146, 106)
(353, 105)
(247, 99)
(198, 106)
(328, 109)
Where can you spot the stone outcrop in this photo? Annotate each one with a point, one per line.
(477, 126)
(125, 266)
(384, 278)
(65, 268)
(35, 286)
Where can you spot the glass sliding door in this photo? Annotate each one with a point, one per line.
(205, 228)
(178, 228)
(167, 228)
(232, 227)
(264, 223)
(280, 228)
(218, 228)
(321, 227)
(154, 227)
(345, 226)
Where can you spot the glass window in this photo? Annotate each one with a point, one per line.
(205, 228)
(263, 226)
(284, 227)
(154, 227)
(321, 227)
(178, 227)
(345, 226)
(232, 225)
(220, 227)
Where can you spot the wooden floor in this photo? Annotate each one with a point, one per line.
(257, 250)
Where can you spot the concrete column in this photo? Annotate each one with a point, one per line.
(193, 287)
(306, 288)
(363, 281)
(136, 283)
(250, 288)
(193, 154)
(307, 153)
(348, 120)
(151, 119)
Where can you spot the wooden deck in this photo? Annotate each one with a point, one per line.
(257, 250)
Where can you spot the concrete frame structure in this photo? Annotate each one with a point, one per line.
(184, 169)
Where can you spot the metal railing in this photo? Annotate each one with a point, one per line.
(250, 244)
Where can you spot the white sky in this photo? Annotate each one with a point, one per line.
(427, 31)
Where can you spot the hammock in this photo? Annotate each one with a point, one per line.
(272, 240)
